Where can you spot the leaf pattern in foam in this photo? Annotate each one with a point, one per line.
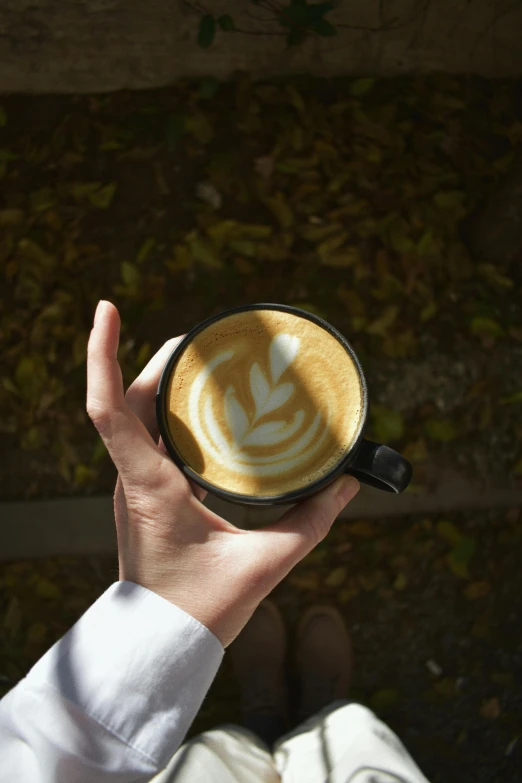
(236, 415)
(278, 397)
(259, 387)
(273, 432)
(283, 350)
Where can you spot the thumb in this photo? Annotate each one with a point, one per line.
(302, 527)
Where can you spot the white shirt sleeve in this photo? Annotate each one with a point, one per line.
(113, 699)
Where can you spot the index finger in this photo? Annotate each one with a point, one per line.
(131, 448)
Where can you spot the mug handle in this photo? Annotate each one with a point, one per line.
(380, 467)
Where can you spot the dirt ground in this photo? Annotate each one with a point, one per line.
(347, 198)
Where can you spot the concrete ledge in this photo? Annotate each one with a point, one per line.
(80, 526)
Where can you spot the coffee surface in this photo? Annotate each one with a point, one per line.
(263, 402)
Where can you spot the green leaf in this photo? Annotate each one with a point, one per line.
(382, 700)
(336, 577)
(175, 130)
(279, 207)
(47, 589)
(204, 251)
(99, 452)
(387, 424)
(208, 88)
(207, 31)
(449, 532)
(516, 470)
(102, 198)
(226, 23)
(42, 200)
(3, 117)
(324, 28)
(382, 324)
(459, 558)
(441, 430)
(244, 247)
(485, 327)
(31, 376)
(146, 248)
(84, 475)
(199, 125)
(428, 312)
(450, 199)
(6, 156)
(361, 86)
(130, 274)
(516, 397)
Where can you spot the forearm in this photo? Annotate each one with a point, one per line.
(114, 698)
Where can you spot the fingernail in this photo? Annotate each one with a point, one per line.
(348, 488)
(99, 309)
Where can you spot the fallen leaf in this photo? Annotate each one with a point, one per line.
(485, 327)
(445, 687)
(459, 558)
(47, 589)
(449, 532)
(383, 699)
(369, 581)
(387, 424)
(451, 199)
(36, 633)
(204, 251)
(342, 258)
(490, 708)
(516, 470)
(481, 628)
(281, 210)
(416, 450)
(363, 529)
(145, 249)
(304, 581)
(441, 430)
(13, 616)
(382, 324)
(102, 198)
(400, 582)
(516, 397)
(346, 594)
(477, 590)
(130, 274)
(504, 679)
(361, 86)
(336, 577)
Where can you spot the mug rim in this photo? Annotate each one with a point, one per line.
(236, 497)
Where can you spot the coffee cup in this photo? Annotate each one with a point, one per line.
(266, 404)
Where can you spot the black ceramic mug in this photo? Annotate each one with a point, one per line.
(267, 404)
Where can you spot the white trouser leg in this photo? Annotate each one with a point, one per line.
(229, 754)
(345, 743)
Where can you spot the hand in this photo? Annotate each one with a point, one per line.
(168, 541)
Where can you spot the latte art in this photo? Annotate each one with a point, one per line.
(263, 402)
(261, 429)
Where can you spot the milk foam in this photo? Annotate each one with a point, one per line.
(261, 423)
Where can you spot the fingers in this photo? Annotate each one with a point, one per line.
(198, 491)
(128, 442)
(303, 526)
(141, 394)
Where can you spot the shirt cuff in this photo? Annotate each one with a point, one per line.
(138, 665)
